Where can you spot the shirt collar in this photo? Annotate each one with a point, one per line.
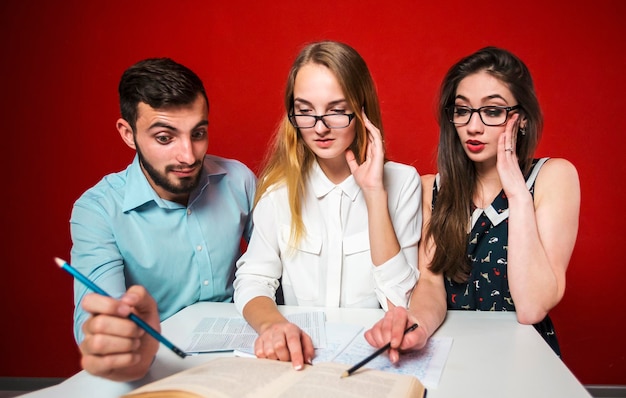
(212, 171)
(139, 191)
(322, 185)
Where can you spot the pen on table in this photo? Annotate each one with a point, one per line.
(374, 354)
(140, 322)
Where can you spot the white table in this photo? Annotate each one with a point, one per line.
(492, 355)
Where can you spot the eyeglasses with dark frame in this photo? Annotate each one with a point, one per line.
(490, 115)
(332, 121)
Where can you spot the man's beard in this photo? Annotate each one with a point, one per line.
(186, 184)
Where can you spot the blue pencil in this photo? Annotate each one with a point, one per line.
(140, 322)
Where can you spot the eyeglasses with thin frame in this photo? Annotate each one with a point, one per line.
(490, 115)
(332, 121)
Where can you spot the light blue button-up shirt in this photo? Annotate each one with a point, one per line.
(124, 234)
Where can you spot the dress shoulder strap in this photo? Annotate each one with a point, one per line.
(530, 180)
(436, 187)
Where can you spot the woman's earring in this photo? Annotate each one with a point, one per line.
(522, 130)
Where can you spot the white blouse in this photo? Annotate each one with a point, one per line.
(332, 265)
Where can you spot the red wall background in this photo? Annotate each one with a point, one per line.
(60, 66)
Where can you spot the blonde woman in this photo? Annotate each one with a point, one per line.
(334, 223)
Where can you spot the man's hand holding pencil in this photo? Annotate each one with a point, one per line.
(114, 346)
(121, 337)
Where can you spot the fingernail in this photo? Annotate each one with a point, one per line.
(123, 309)
(297, 367)
(131, 297)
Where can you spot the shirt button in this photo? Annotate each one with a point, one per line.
(199, 248)
(188, 211)
(205, 283)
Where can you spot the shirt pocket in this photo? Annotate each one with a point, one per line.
(301, 268)
(357, 243)
(357, 271)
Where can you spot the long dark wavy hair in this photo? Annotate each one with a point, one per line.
(450, 216)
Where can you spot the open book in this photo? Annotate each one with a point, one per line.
(226, 377)
(214, 334)
(347, 345)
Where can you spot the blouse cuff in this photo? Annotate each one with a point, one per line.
(395, 280)
(244, 294)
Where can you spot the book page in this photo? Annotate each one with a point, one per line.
(338, 337)
(229, 334)
(220, 377)
(324, 380)
(227, 377)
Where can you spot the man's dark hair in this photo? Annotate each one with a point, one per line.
(160, 83)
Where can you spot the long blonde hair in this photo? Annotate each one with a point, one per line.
(288, 160)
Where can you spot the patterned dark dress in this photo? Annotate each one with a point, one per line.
(487, 288)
